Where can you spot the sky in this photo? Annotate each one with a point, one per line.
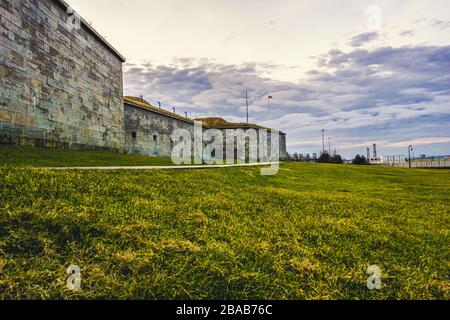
(365, 71)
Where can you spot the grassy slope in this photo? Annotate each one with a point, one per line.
(40, 157)
(309, 232)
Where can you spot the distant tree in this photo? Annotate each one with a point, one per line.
(337, 159)
(364, 160)
(295, 156)
(360, 160)
(324, 158)
(357, 160)
(288, 156)
(301, 157)
(308, 157)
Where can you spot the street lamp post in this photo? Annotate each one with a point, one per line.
(323, 141)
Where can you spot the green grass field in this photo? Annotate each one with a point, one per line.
(309, 232)
(40, 157)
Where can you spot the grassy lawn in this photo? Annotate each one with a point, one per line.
(309, 232)
(40, 157)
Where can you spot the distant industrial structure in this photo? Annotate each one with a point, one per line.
(403, 161)
(389, 160)
(384, 160)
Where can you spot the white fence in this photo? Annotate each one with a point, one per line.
(423, 163)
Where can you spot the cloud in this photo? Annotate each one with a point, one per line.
(407, 33)
(440, 24)
(418, 142)
(363, 38)
(388, 143)
(270, 25)
(436, 23)
(396, 96)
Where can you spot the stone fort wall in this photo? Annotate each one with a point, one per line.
(148, 130)
(62, 87)
(58, 87)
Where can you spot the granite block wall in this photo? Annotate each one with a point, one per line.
(62, 87)
(148, 132)
(58, 87)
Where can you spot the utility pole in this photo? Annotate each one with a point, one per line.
(246, 102)
(329, 145)
(323, 141)
(410, 148)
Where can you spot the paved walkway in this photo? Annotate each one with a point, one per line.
(194, 167)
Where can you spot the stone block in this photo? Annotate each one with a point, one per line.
(6, 115)
(23, 119)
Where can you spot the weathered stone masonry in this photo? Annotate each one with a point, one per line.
(148, 129)
(58, 87)
(63, 88)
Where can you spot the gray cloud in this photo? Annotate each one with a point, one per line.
(407, 33)
(440, 24)
(363, 38)
(387, 94)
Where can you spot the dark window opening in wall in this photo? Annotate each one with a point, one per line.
(134, 134)
(40, 143)
(155, 145)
